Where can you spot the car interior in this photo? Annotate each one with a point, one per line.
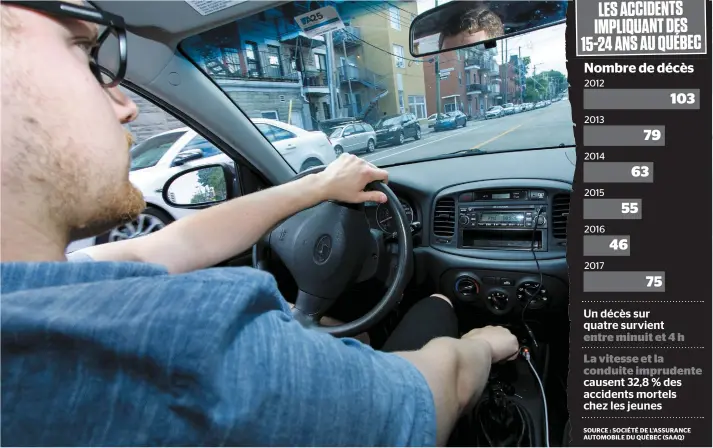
(488, 230)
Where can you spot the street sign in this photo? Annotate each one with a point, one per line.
(446, 70)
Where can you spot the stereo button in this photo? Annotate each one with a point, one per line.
(506, 282)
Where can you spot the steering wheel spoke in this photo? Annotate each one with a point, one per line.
(309, 308)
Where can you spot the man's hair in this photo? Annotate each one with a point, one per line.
(472, 21)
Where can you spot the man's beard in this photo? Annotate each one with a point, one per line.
(127, 205)
(123, 205)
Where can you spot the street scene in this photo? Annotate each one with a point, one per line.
(356, 89)
(544, 126)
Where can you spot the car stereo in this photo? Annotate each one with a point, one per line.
(503, 227)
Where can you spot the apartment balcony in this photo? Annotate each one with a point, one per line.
(349, 35)
(477, 89)
(495, 89)
(253, 66)
(355, 74)
(315, 81)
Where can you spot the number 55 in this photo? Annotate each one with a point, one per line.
(629, 207)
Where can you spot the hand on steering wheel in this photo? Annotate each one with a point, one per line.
(330, 246)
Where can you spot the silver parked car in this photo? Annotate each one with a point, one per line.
(353, 137)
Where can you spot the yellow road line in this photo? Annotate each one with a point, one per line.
(480, 145)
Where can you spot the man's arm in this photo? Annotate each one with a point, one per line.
(223, 231)
(457, 370)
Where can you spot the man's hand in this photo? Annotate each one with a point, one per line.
(503, 344)
(344, 180)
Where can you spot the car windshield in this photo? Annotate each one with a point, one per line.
(148, 153)
(495, 108)
(362, 68)
(388, 121)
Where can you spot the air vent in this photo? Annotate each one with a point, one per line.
(444, 218)
(560, 212)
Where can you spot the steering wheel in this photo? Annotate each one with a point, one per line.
(329, 247)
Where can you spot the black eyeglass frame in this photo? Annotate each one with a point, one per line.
(114, 24)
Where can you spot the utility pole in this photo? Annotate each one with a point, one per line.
(438, 78)
(330, 73)
(349, 79)
(507, 72)
(520, 78)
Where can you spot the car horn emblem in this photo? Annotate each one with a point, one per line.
(322, 249)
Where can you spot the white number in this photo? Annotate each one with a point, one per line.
(654, 280)
(652, 134)
(587, 44)
(683, 98)
(629, 207)
(621, 244)
(640, 171)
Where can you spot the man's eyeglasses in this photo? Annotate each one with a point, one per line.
(106, 63)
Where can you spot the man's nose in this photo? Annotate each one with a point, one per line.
(124, 108)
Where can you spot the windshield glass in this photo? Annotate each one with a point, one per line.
(336, 131)
(267, 64)
(148, 153)
(389, 121)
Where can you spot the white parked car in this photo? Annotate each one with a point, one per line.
(353, 138)
(508, 108)
(494, 112)
(431, 120)
(161, 156)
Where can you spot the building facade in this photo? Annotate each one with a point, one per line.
(469, 81)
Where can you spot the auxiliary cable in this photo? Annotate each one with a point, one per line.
(525, 352)
(539, 271)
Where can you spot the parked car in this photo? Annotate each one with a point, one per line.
(157, 158)
(529, 106)
(518, 108)
(353, 137)
(450, 120)
(432, 120)
(539, 105)
(395, 129)
(328, 126)
(508, 108)
(494, 112)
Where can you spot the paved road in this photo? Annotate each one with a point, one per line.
(548, 126)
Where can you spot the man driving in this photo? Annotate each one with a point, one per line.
(141, 344)
(470, 26)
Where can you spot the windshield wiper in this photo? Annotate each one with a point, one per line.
(465, 151)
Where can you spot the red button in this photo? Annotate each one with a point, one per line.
(466, 197)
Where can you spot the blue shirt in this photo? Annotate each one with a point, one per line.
(104, 353)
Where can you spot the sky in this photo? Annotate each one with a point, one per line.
(545, 47)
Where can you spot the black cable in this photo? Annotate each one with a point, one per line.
(539, 286)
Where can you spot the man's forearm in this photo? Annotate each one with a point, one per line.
(456, 371)
(219, 232)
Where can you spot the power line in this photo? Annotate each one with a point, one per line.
(381, 49)
(388, 18)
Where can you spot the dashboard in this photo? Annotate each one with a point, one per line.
(493, 227)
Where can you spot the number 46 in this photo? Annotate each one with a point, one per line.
(654, 280)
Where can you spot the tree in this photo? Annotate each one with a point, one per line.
(213, 179)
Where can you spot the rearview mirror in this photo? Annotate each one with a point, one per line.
(461, 24)
(199, 187)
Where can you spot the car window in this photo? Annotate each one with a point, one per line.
(274, 133)
(148, 153)
(198, 142)
(368, 128)
(335, 133)
(349, 130)
(359, 128)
